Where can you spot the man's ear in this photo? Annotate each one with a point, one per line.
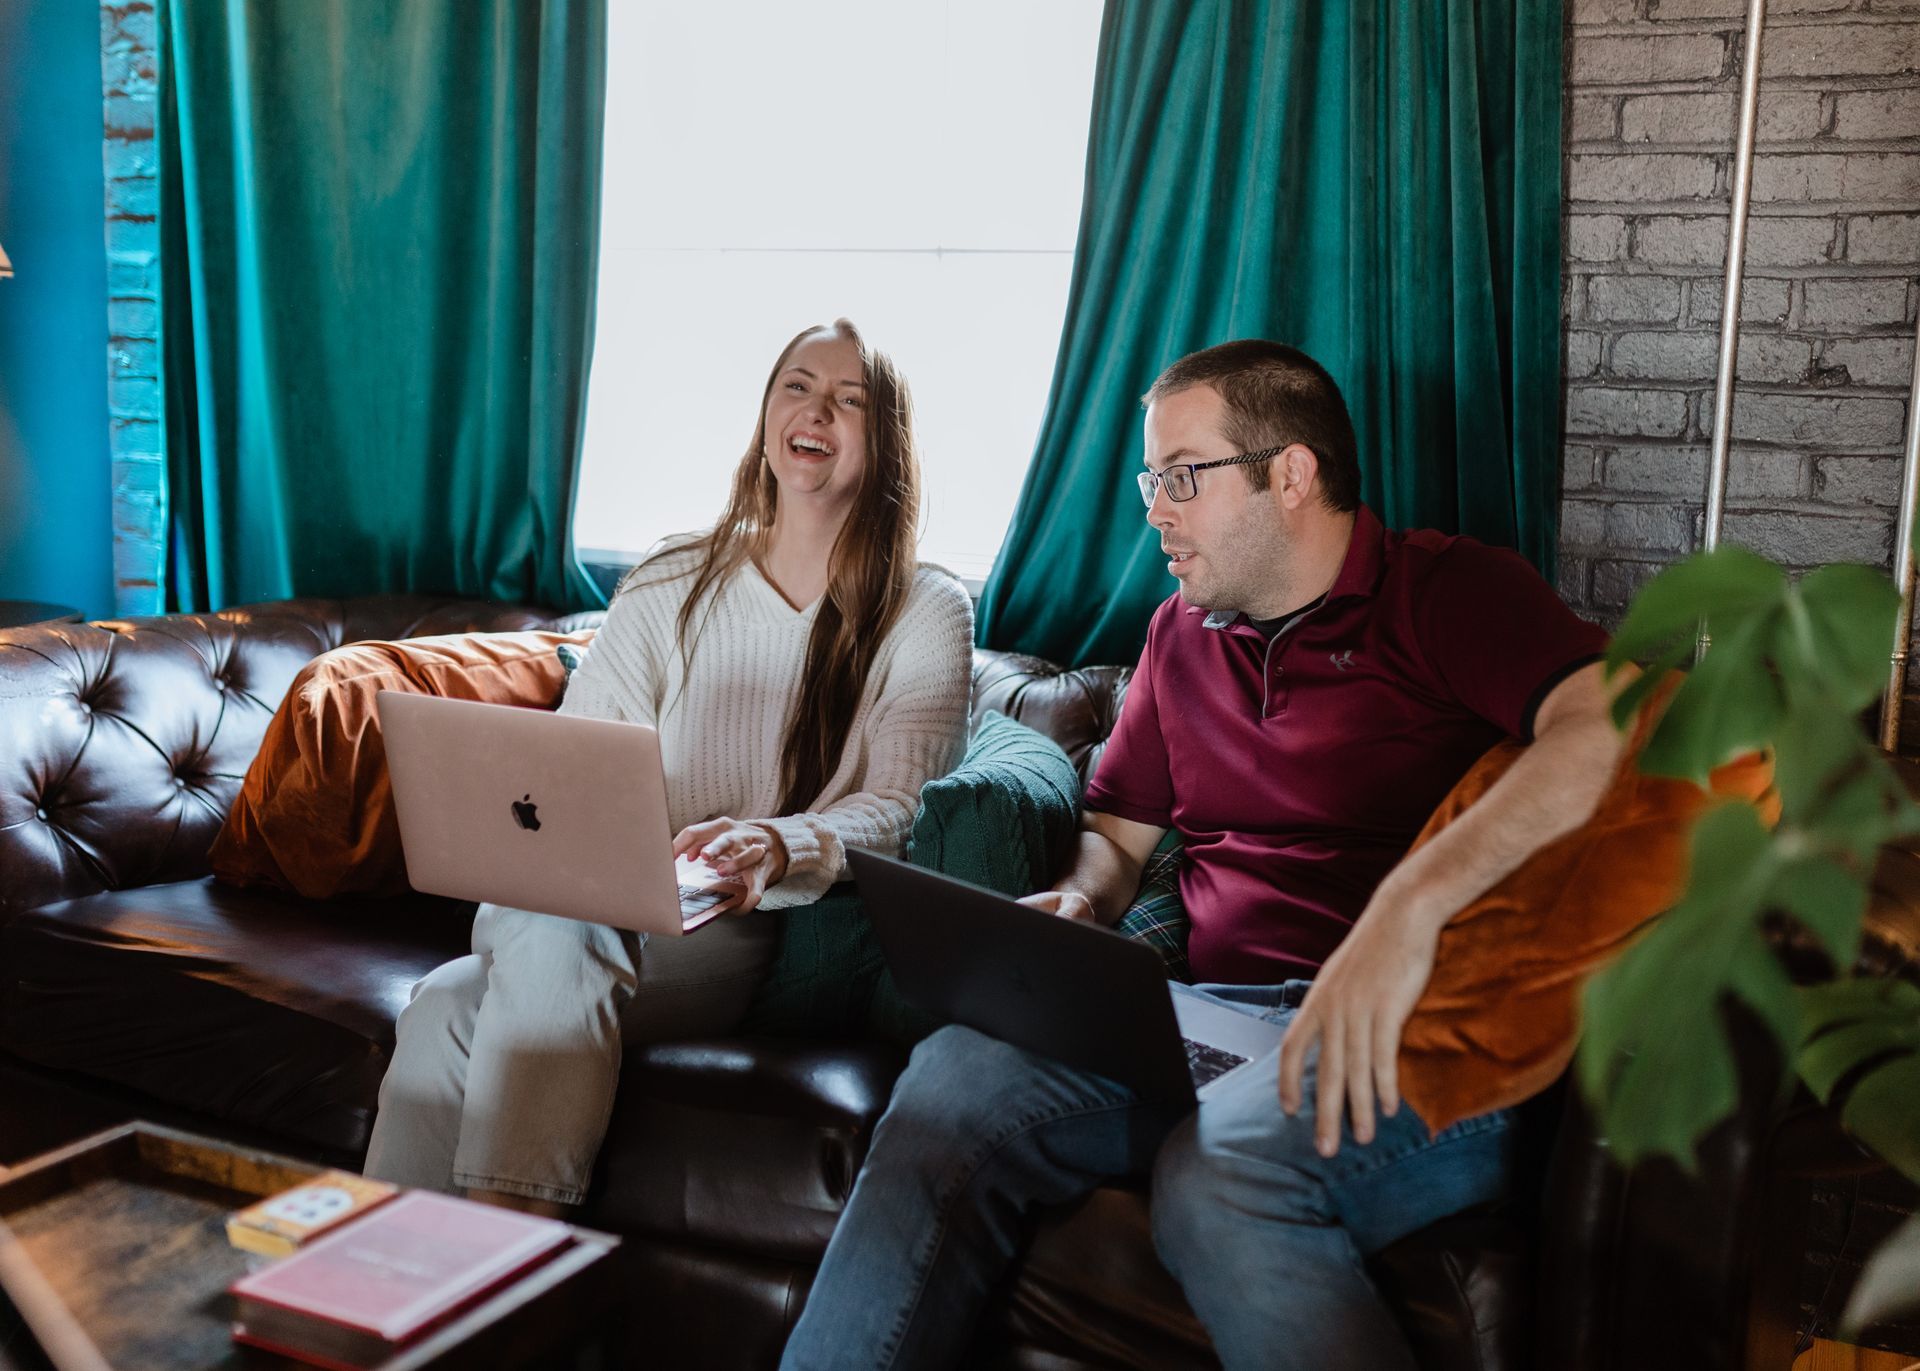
(1296, 468)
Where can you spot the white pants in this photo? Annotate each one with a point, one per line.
(504, 1071)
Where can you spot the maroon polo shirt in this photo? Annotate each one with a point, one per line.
(1299, 772)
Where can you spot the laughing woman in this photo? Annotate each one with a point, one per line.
(802, 669)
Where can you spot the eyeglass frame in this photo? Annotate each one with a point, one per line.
(1150, 481)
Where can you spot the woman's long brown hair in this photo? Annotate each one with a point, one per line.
(869, 573)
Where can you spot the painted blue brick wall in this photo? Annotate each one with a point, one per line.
(128, 58)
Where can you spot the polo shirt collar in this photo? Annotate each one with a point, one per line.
(1366, 559)
(1360, 570)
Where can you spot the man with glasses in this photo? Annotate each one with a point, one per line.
(1303, 704)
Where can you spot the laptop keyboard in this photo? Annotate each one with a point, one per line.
(1208, 1063)
(698, 899)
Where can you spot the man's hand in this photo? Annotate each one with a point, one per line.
(1356, 1011)
(1068, 904)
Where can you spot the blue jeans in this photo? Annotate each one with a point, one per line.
(1267, 1237)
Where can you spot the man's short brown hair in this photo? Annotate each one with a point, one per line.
(1275, 396)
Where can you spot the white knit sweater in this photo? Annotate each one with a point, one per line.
(722, 727)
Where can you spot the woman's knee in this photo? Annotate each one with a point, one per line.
(440, 1010)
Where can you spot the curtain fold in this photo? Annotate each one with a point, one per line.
(379, 241)
(1375, 181)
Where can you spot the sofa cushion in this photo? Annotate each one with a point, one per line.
(315, 815)
(750, 1144)
(250, 1007)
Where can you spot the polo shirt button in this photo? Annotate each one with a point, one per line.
(40, 814)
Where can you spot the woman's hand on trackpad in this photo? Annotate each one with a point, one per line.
(743, 856)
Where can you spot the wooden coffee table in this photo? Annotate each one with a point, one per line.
(114, 1253)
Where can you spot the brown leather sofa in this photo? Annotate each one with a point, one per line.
(132, 986)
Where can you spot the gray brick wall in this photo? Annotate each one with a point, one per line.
(127, 56)
(1829, 296)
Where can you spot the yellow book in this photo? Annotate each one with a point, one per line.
(279, 1224)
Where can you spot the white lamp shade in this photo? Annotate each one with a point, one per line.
(6, 267)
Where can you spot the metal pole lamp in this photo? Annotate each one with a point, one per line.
(1903, 568)
(1736, 264)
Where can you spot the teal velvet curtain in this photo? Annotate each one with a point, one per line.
(379, 238)
(1376, 181)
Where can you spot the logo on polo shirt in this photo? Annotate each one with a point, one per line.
(1342, 660)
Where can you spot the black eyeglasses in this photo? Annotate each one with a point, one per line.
(1179, 479)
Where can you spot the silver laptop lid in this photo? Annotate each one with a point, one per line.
(532, 810)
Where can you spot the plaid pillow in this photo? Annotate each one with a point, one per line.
(1157, 917)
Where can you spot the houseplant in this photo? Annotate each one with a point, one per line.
(1790, 669)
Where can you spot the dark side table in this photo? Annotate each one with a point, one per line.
(23, 613)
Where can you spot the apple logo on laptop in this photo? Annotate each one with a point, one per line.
(524, 815)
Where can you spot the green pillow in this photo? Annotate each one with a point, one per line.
(1004, 818)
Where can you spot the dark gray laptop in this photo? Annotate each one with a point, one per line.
(1081, 994)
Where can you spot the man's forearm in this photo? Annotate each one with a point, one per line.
(1551, 789)
(1104, 873)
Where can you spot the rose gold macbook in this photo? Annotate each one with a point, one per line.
(540, 811)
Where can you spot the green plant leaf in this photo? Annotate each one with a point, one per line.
(1789, 670)
(1654, 1059)
(1844, 1021)
(1861, 1052)
(1812, 741)
(1724, 588)
(1845, 632)
(1729, 704)
(1860, 806)
(1829, 900)
(1763, 984)
(1881, 1110)
(1889, 1285)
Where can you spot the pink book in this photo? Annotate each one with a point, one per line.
(350, 1298)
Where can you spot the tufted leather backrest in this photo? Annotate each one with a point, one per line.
(1075, 708)
(123, 742)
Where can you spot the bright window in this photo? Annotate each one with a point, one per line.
(914, 165)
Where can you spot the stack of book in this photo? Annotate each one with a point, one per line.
(356, 1295)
